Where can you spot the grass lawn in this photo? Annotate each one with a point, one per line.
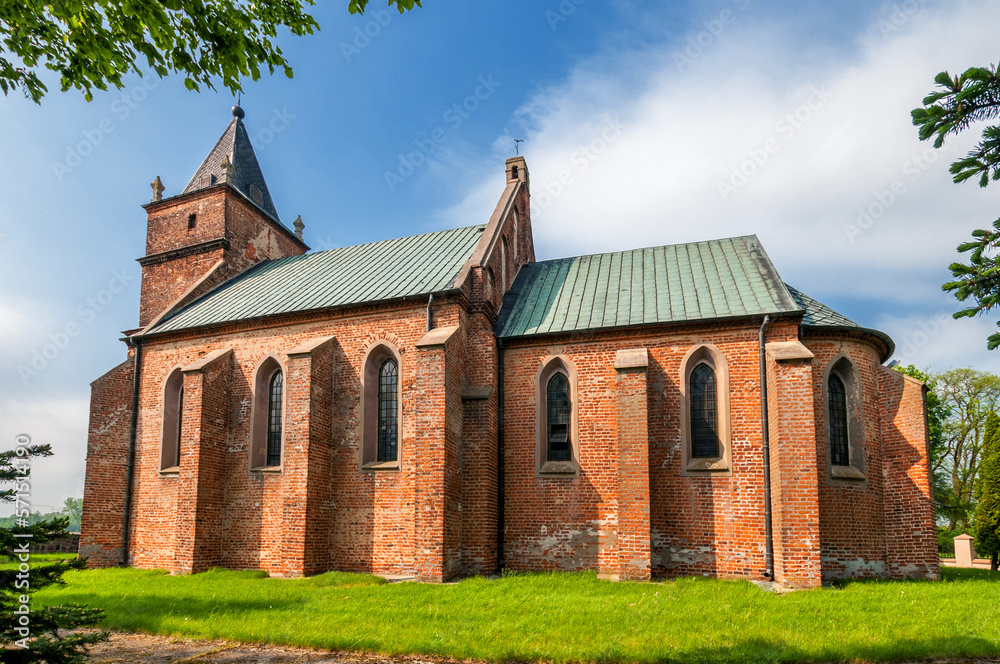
(558, 617)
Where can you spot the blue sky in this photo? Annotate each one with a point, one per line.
(645, 123)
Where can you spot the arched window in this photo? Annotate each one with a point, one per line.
(839, 444)
(173, 415)
(845, 421)
(268, 416)
(704, 413)
(388, 411)
(503, 265)
(381, 408)
(558, 409)
(513, 216)
(706, 445)
(275, 391)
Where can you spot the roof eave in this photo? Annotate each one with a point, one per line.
(257, 319)
(657, 324)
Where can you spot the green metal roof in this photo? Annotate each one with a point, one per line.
(378, 271)
(711, 280)
(818, 315)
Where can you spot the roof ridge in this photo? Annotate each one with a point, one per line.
(652, 246)
(394, 239)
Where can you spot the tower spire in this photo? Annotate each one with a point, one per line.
(241, 170)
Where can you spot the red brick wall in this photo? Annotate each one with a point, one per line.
(852, 518)
(699, 524)
(366, 521)
(911, 539)
(101, 526)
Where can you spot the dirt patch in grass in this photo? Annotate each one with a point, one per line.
(128, 648)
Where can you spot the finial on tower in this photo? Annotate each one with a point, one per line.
(239, 112)
(157, 186)
(299, 225)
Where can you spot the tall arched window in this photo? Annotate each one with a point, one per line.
(268, 416)
(173, 415)
(503, 265)
(706, 436)
(513, 215)
(381, 429)
(839, 443)
(557, 412)
(558, 409)
(388, 410)
(704, 413)
(274, 397)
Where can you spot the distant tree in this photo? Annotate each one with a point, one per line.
(92, 45)
(960, 101)
(937, 416)
(73, 510)
(987, 516)
(969, 396)
(47, 638)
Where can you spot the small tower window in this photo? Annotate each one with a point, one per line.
(513, 172)
(255, 194)
(192, 221)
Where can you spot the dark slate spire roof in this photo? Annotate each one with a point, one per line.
(235, 144)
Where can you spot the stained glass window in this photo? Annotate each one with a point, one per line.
(388, 411)
(838, 421)
(559, 407)
(704, 413)
(274, 420)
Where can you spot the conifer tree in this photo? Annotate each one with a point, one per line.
(987, 516)
(31, 633)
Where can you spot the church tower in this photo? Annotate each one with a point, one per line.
(221, 224)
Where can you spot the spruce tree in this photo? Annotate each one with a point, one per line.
(987, 516)
(31, 633)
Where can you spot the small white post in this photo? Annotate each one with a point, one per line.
(964, 553)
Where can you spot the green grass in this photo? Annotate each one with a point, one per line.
(558, 617)
(37, 558)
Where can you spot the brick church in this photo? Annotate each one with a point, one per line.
(444, 405)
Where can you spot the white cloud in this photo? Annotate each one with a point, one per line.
(831, 132)
(61, 423)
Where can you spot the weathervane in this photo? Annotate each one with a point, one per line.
(516, 146)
